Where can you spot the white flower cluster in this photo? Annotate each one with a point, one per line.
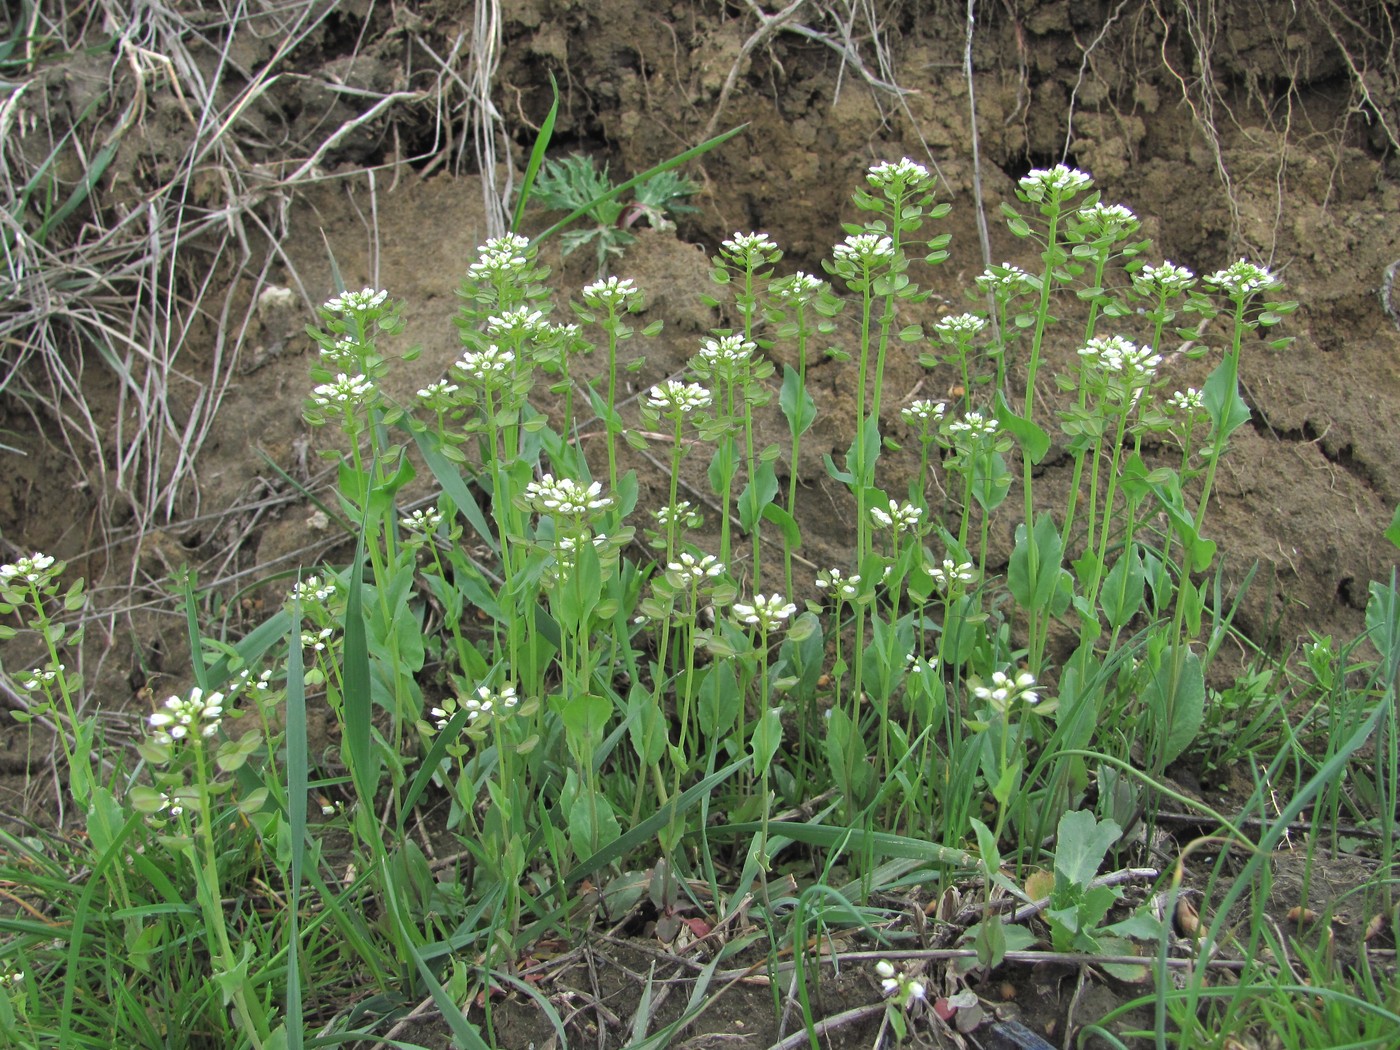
(1004, 689)
(317, 641)
(844, 587)
(1111, 220)
(1113, 353)
(312, 589)
(681, 512)
(799, 289)
(178, 717)
(727, 354)
(1166, 278)
(766, 613)
(438, 394)
(1243, 278)
(484, 702)
(610, 292)
(566, 497)
(9, 980)
(343, 354)
(1056, 184)
(921, 665)
(750, 249)
(356, 302)
(35, 570)
(696, 570)
(923, 412)
(973, 426)
(486, 365)
(344, 390)
(899, 985)
(522, 322)
(900, 175)
(500, 258)
(42, 676)
(422, 521)
(676, 397)
(953, 575)
(1005, 281)
(1188, 400)
(864, 249)
(950, 328)
(900, 517)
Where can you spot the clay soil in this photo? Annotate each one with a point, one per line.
(1264, 129)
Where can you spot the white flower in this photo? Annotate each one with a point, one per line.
(1136, 364)
(486, 365)
(951, 574)
(9, 980)
(501, 258)
(766, 613)
(1004, 689)
(316, 641)
(696, 570)
(1109, 220)
(171, 804)
(343, 354)
(902, 517)
(42, 676)
(177, 717)
(676, 397)
(1188, 400)
(750, 249)
(904, 174)
(1005, 281)
(566, 497)
(844, 587)
(864, 249)
(1243, 278)
(33, 570)
(920, 665)
(312, 589)
(1166, 279)
(974, 426)
(922, 412)
(727, 354)
(422, 521)
(950, 328)
(678, 512)
(884, 968)
(356, 302)
(345, 390)
(522, 321)
(1056, 184)
(439, 393)
(799, 289)
(610, 292)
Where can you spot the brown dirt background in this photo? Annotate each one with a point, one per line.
(1264, 129)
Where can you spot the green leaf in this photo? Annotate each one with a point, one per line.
(767, 736)
(757, 494)
(1081, 842)
(1034, 570)
(1123, 589)
(1393, 533)
(792, 535)
(1176, 696)
(798, 407)
(1221, 397)
(1028, 435)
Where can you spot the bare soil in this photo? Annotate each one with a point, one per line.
(1264, 130)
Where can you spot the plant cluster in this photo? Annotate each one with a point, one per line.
(606, 694)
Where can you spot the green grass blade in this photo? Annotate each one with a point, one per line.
(532, 169)
(876, 843)
(359, 730)
(297, 777)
